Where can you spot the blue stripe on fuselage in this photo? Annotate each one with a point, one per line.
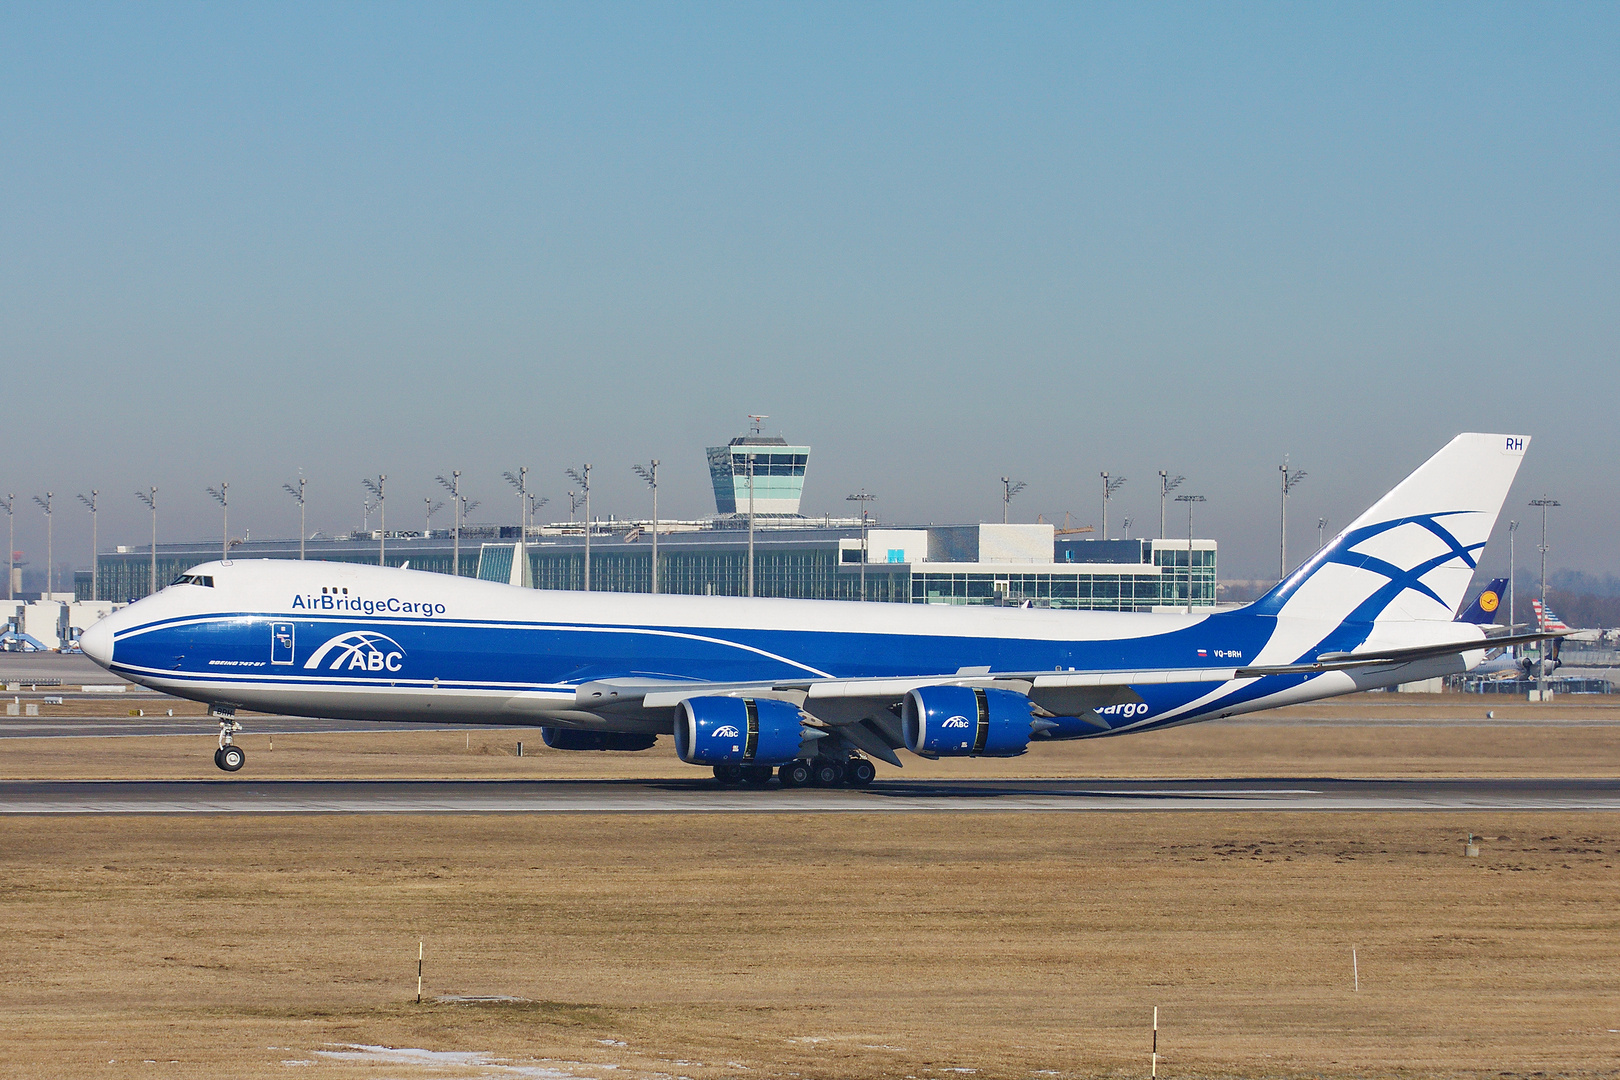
(542, 654)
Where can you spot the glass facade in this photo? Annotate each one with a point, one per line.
(799, 564)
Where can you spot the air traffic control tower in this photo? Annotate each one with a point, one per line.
(777, 469)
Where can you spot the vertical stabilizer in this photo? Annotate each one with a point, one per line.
(1412, 555)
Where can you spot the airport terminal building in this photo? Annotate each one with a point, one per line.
(794, 556)
(989, 564)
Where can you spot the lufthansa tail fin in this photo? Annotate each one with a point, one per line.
(1486, 605)
(1411, 556)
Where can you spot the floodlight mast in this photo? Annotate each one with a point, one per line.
(1167, 484)
(649, 473)
(432, 508)
(298, 493)
(1109, 487)
(582, 477)
(863, 498)
(150, 499)
(1541, 668)
(378, 488)
(95, 546)
(1189, 500)
(11, 542)
(521, 482)
(1321, 533)
(454, 488)
(222, 495)
(50, 544)
(1513, 527)
(756, 422)
(1289, 480)
(1009, 488)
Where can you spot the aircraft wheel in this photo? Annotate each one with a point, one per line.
(828, 773)
(794, 774)
(728, 773)
(859, 772)
(230, 758)
(756, 775)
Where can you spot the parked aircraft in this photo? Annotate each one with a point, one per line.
(810, 691)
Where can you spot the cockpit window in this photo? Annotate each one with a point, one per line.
(194, 579)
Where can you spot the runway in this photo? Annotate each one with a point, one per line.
(234, 796)
(70, 727)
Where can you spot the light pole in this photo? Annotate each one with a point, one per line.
(11, 542)
(1513, 527)
(649, 473)
(50, 541)
(379, 488)
(1541, 668)
(432, 508)
(150, 499)
(750, 523)
(95, 546)
(756, 420)
(467, 507)
(222, 495)
(1009, 488)
(863, 498)
(521, 482)
(1109, 487)
(1189, 500)
(582, 477)
(1321, 533)
(1127, 528)
(298, 493)
(1289, 479)
(454, 488)
(535, 503)
(1167, 484)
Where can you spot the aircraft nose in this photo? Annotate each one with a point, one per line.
(97, 642)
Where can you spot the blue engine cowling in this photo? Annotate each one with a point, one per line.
(717, 730)
(966, 721)
(571, 739)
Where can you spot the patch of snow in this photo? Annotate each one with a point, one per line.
(469, 1064)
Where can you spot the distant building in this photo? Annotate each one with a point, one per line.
(794, 557)
(990, 564)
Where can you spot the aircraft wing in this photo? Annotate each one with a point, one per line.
(1064, 693)
(863, 710)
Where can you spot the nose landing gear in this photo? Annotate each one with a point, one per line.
(229, 757)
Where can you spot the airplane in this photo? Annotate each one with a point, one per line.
(1499, 662)
(811, 691)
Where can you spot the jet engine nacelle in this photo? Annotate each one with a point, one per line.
(571, 739)
(718, 730)
(966, 721)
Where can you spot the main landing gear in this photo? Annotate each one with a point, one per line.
(856, 772)
(229, 757)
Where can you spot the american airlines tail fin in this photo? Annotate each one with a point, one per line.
(1411, 556)
(1485, 606)
(1546, 619)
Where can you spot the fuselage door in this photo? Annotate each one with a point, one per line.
(281, 643)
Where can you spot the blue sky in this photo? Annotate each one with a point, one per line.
(941, 244)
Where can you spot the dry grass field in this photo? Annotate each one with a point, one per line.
(802, 946)
(911, 945)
